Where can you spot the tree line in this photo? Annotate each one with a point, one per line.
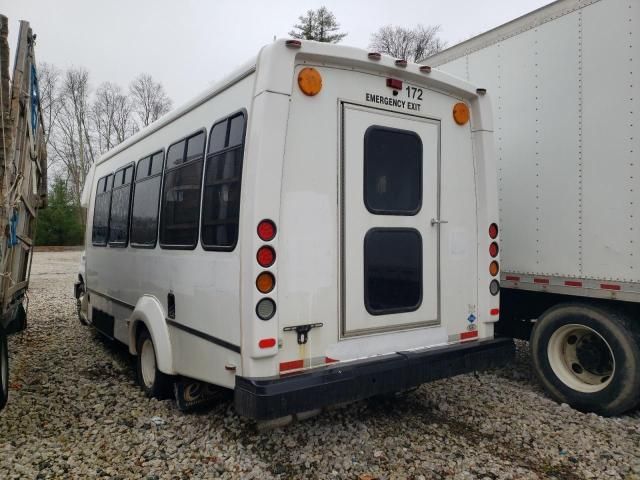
(414, 44)
(82, 124)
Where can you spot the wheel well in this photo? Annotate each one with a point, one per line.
(519, 308)
(138, 328)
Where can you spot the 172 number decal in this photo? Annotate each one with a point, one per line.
(413, 92)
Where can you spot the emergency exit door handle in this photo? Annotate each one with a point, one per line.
(438, 221)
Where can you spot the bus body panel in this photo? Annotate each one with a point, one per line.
(309, 269)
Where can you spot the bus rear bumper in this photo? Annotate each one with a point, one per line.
(274, 397)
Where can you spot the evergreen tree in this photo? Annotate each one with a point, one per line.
(319, 25)
(59, 223)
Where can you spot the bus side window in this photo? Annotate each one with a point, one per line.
(222, 179)
(101, 207)
(146, 200)
(120, 207)
(181, 193)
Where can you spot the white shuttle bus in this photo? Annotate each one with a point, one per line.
(319, 227)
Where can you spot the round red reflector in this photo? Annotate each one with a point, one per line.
(267, 343)
(493, 249)
(266, 256)
(493, 230)
(266, 230)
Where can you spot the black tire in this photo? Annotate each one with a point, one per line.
(158, 385)
(587, 357)
(4, 371)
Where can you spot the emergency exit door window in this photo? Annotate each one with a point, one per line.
(392, 171)
(392, 270)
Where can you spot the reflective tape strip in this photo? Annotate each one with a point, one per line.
(469, 335)
(291, 365)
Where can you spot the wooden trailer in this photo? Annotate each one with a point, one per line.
(23, 183)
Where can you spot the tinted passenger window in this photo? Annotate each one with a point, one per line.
(120, 203)
(181, 195)
(175, 154)
(392, 270)
(223, 174)
(156, 163)
(218, 137)
(146, 199)
(392, 171)
(100, 229)
(143, 168)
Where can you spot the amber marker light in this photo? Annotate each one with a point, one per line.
(310, 81)
(494, 268)
(461, 113)
(265, 282)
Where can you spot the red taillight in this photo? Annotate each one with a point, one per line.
(267, 343)
(394, 83)
(494, 311)
(266, 256)
(493, 249)
(493, 230)
(266, 230)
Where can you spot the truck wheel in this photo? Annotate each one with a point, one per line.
(154, 383)
(4, 371)
(587, 357)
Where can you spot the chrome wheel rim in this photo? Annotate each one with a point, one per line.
(148, 363)
(581, 358)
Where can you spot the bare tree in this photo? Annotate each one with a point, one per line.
(112, 116)
(319, 25)
(413, 44)
(149, 99)
(49, 84)
(71, 141)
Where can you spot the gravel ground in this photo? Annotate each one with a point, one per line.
(75, 412)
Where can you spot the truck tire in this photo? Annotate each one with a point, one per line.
(4, 371)
(154, 383)
(587, 357)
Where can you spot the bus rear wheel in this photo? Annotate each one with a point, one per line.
(587, 357)
(154, 383)
(4, 371)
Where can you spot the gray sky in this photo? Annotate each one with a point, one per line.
(187, 44)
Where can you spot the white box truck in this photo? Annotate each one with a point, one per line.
(318, 227)
(565, 84)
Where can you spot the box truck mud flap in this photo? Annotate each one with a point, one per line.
(269, 398)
